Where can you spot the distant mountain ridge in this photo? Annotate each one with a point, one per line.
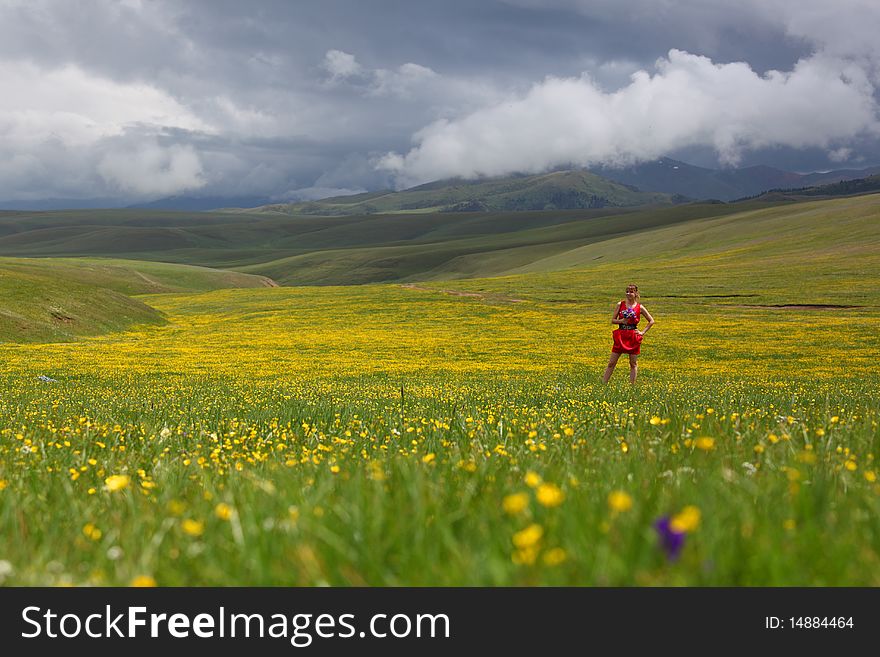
(858, 186)
(201, 203)
(558, 190)
(661, 181)
(675, 177)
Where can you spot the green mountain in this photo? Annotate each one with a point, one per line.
(550, 191)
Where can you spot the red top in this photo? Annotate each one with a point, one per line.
(626, 340)
(637, 308)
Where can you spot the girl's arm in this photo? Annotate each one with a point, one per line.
(614, 319)
(650, 319)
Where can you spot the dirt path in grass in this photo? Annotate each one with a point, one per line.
(799, 306)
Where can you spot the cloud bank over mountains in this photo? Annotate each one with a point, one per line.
(688, 101)
(145, 99)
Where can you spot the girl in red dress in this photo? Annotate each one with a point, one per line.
(627, 338)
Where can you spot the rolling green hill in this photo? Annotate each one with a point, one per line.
(60, 299)
(550, 191)
(450, 254)
(328, 250)
(824, 253)
(47, 307)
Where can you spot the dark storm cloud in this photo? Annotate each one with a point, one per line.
(147, 98)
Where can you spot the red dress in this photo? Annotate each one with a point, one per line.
(626, 339)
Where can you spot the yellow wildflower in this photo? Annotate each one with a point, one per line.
(115, 483)
(619, 501)
(515, 504)
(686, 521)
(92, 532)
(192, 527)
(528, 537)
(223, 511)
(533, 479)
(555, 556)
(550, 495)
(143, 581)
(705, 443)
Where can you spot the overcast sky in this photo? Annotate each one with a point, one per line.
(143, 99)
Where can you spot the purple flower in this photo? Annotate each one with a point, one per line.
(670, 540)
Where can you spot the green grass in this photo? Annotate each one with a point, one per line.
(370, 435)
(823, 252)
(59, 299)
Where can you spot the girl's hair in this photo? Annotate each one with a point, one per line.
(635, 288)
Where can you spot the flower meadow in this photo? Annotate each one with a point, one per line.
(390, 435)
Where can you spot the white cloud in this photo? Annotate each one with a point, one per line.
(79, 108)
(340, 64)
(687, 101)
(56, 124)
(148, 168)
(410, 82)
(404, 82)
(840, 154)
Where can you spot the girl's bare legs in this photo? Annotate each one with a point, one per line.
(633, 367)
(610, 369)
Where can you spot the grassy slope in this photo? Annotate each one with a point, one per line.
(823, 252)
(236, 240)
(684, 251)
(46, 307)
(45, 300)
(353, 249)
(449, 252)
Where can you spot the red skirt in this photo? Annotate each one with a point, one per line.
(626, 341)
